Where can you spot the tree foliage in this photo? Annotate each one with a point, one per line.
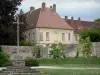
(92, 33)
(57, 51)
(26, 43)
(36, 51)
(97, 20)
(8, 9)
(84, 47)
(22, 19)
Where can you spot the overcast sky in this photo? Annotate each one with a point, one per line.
(86, 9)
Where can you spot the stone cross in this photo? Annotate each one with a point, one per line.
(17, 58)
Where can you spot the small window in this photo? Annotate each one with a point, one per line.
(68, 36)
(47, 36)
(63, 36)
(55, 36)
(41, 36)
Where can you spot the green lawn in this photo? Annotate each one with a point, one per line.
(71, 62)
(68, 72)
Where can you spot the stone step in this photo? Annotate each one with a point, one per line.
(19, 67)
(19, 70)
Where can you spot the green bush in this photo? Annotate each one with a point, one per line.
(57, 51)
(26, 43)
(9, 63)
(4, 59)
(31, 62)
(36, 51)
(94, 56)
(0, 49)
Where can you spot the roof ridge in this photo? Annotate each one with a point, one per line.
(47, 19)
(38, 15)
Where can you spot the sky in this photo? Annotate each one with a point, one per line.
(87, 10)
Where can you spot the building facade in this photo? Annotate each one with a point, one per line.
(45, 27)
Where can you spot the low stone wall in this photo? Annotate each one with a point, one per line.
(96, 49)
(24, 51)
(69, 50)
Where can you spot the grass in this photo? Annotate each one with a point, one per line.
(71, 62)
(68, 72)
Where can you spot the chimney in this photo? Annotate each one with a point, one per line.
(66, 17)
(79, 19)
(71, 20)
(32, 8)
(54, 7)
(43, 6)
(51, 7)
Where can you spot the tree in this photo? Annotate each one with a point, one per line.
(92, 33)
(97, 20)
(85, 47)
(22, 19)
(8, 9)
(57, 51)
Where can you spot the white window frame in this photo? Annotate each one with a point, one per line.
(55, 36)
(69, 36)
(47, 36)
(63, 37)
(40, 36)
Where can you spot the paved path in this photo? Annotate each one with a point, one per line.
(56, 67)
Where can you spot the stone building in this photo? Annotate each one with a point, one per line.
(78, 25)
(45, 26)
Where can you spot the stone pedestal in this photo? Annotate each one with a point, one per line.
(18, 66)
(18, 63)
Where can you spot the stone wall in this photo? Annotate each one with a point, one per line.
(96, 49)
(24, 51)
(69, 50)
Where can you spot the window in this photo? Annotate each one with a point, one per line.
(68, 36)
(29, 36)
(63, 36)
(76, 37)
(41, 36)
(33, 38)
(55, 36)
(47, 36)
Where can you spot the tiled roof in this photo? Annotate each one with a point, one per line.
(79, 25)
(46, 19)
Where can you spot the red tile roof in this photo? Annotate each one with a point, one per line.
(79, 25)
(46, 19)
